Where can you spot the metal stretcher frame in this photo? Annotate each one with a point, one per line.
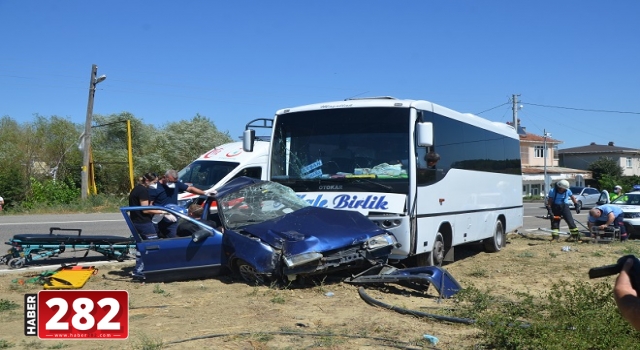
(35, 246)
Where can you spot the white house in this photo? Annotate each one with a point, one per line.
(535, 164)
(582, 157)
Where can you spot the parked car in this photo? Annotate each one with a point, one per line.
(587, 197)
(630, 205)
(264, 231)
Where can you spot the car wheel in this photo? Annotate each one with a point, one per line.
(436, 256)
(249, 274)
(497, 242)
(579, 205)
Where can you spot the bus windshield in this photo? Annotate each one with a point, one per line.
(360, 148)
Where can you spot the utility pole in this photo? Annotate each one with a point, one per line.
(546, 180)
(514, 100)
(86, 139)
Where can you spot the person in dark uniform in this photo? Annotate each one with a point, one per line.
(139, 196)
(166, 193)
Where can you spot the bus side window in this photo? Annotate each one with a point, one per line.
(427, 169)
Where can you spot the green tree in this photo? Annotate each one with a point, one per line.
(14, 162)
(110, 141)
(182, 142)
(606, 171)
(58, 154)
(43, 156)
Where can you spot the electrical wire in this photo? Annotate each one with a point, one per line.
(506, 103)
(580, 109)
(390, 342)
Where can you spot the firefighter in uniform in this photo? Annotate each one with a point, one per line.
(558, 207)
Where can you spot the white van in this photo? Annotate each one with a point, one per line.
(221, 164)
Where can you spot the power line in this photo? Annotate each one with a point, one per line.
(581, 109)
(506, 103)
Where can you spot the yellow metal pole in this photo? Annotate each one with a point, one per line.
(130, 153)
(92, 171)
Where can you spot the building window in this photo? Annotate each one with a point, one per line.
(535, 189)
(539, 151)
(555, 153)
(629, 162)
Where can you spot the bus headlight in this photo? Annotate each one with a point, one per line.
(301, 259)
(380, 241)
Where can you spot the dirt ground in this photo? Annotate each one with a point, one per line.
(224, 313)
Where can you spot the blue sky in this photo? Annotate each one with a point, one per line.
(233, 61)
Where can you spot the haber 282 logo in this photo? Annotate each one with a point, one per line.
(77, 314)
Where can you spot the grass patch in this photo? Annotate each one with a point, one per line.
(569, 316)
(146, 343)
(320, 286)
(629, 249)
(526, 255)
(478, 272)
(278, 299)
(34, 344)
(101, 203)
(262, 337)
(58, 346)
(253, 292)
(158, 290)
(5, 344)
(329, 340)
(6, 305)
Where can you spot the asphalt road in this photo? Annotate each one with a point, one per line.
(113, 224)
(91, 224)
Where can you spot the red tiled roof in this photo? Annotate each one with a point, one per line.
(528, 137)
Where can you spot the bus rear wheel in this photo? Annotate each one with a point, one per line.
(436, 256)
(497, 242)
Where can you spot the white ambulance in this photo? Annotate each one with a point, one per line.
(221, 164)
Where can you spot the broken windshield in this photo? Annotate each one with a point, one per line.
(370, 144)
(258, 203)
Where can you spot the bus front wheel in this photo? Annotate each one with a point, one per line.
(436, 256)
(497, 242)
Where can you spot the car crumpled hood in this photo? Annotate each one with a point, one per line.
(314, 229)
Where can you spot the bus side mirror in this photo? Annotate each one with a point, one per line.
(424, 134)
(248, 138)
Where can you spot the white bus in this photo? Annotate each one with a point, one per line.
(369, 155)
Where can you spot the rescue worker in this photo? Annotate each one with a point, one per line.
(617, 192)
(605, 215)
(558, 206)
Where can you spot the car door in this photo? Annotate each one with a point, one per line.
(177, 258)
(603, 198)
(592, 195)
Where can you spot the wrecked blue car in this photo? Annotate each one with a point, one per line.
(262, 231)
